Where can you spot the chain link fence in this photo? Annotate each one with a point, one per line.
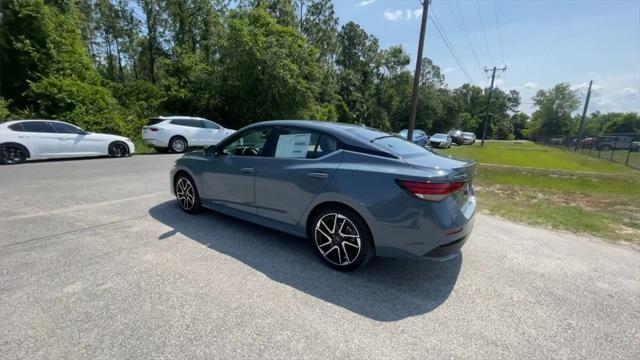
(621, 148)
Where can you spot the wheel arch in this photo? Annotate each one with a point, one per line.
(13, 143)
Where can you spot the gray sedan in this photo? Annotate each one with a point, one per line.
(353, 191)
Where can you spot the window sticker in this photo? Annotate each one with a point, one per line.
(293, 146)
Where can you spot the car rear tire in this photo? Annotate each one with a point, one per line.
(118, 149)
(187, 194)
(341, 238)
(178, 144)
(13, 154)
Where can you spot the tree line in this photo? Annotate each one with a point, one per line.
(108, 65)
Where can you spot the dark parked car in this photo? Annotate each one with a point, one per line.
(456, 137)
(354, 192)
(419, 136)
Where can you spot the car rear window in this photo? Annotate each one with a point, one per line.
(400, 147)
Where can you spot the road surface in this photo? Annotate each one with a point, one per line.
(97, 261)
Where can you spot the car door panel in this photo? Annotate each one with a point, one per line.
(229, 181)
(285, 187)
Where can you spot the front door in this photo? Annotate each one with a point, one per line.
(303, 164)
(228, 179)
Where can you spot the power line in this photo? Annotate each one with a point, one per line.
(495, 12)
(484, 33)
(449, 45)
(462, 26)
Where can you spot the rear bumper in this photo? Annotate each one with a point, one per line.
(437, 233)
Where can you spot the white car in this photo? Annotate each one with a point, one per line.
(177, 133)
(45, 139)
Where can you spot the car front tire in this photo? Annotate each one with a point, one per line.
(118, 149)
(187, 194)
(341, 238)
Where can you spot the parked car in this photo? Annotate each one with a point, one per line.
(354, 192)
(46, 139)
(468, 138)
(419, 136)
(456, 136)
(607, 143)
(177, 133)
(440, 141)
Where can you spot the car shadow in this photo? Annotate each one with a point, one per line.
(383, 290)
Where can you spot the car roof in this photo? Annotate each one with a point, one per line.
(350, 134)
(173, 117)
(7, 123)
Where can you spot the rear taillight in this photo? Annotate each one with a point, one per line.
(430, 191)
(154, 129)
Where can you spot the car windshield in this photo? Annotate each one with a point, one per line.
(439, 137)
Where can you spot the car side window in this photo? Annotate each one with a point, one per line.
(196, 123)
(38, 127)
(210, 124)
(64, 128)
(16, 127)
(250, 143)
(303, 144)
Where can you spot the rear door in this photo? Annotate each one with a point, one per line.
(41, 138)
(303, 164)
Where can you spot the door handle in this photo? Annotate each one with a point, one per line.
(247, 170)
(318, 175)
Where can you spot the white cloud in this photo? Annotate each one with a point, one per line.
(406, 14)
(448, 70)
(530, 85)
(628, 93)
(393, 15)
(366, 2)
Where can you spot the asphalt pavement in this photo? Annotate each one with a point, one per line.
(98, 262)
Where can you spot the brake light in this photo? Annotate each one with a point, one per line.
(430, 191)
(154, 129)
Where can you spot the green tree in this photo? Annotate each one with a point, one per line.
(430, 74)
(553, 116)
(519, 122)
(624, 123)
(267, 71)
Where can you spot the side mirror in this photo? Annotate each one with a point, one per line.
(211, 150)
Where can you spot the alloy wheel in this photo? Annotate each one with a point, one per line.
(178, 145)
(338, 239)
(119, 150)
(185, 193)
(13, 155)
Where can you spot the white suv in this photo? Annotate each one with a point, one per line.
(177, 133)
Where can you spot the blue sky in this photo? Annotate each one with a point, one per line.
(543, 42)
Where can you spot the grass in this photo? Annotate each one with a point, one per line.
(557, 189)
(525, 153)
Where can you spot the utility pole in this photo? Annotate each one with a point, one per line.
(486, 113)
(584, 116)
(416, 77)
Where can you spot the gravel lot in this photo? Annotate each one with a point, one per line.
(96, 261)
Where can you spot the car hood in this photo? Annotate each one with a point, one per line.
(456, 170)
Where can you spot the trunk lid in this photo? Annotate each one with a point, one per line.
(456, 170)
